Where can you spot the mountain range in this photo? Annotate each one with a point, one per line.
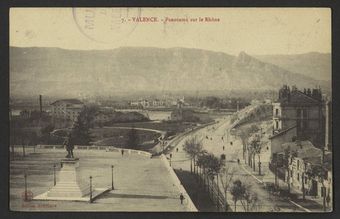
(313, 64)
(51, 71)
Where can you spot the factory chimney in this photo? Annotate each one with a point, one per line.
(40, 104)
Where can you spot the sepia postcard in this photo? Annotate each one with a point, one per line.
(170, 109)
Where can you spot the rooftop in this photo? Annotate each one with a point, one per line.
(282, 132)
(70, 101)
(296, 97)
(304, 149)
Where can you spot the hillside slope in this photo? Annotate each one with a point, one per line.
(51, 70)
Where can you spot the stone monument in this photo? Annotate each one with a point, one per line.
(70, 186)
(70, 183)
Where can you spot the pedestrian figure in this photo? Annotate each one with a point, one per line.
(181, 197)
(231, 143)
(222, 138)
(238, 160)
(176, 149)
(122, 152)
(223, 147)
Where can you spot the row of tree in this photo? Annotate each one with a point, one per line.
(210, 169)
(251, 142)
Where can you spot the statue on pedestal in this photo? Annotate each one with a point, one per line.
(69, 146)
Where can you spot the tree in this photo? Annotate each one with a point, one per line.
(47, 129)
(132, 139)
(237, 191)
(45, 133)
(193, 146)
(228, 173)
(244, 138)
(80, 133)
(250, 198)
(211, 166)
(214, 166)
(286, 165)
(202, 162)
(89, 113)
(244, 134)
(15, 135)
(255, 149)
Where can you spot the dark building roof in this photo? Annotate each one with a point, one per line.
(296, 97)
(282, 132)
(304, 150)
(70, 101)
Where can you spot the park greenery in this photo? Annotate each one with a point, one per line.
(125, 117)
(214, 102)
(132, 139)
(80, 132)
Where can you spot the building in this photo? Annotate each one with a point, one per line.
(134, 103)
(278, 139)
(309, 169)
(25, 114)
(142, 103)
(267, 101)
(68, 109)
(158, 103)
(298, 115)
(177, 114)
(328, 126)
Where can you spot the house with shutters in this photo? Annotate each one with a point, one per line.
(298, 115)
(67, 109)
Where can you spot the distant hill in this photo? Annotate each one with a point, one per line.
(51, 71)
(313, 64)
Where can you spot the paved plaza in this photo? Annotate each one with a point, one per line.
(141, 183)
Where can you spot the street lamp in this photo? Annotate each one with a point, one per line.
(112, 177)
(91, 189)
(54, 178)
(25, 176)
(170, 158)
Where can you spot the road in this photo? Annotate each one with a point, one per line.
(216, 136)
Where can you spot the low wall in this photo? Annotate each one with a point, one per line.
(92, 147)
(174, 140)
(178, 183)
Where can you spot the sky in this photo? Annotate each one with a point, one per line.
(253, 30)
